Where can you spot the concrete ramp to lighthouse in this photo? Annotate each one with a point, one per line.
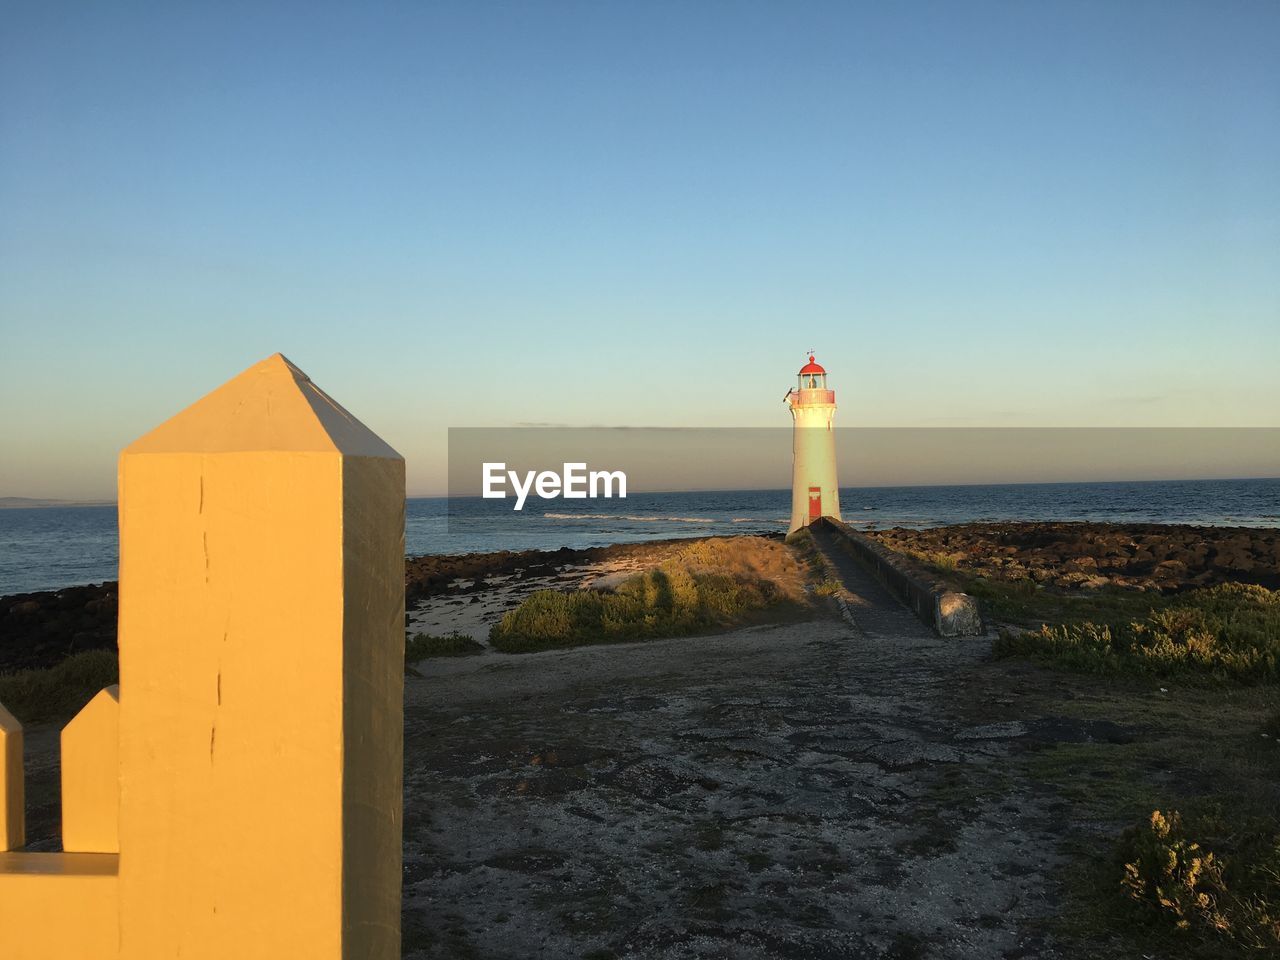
(876, 611)
(898, 602)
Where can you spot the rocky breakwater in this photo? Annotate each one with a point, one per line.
(1090, 555)
(431, 575)
(41, 629)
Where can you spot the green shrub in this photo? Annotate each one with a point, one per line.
(59, 691)
(1172, 875)
(1227, 632)
(674, 599)
(800, 539)
(423, 645)
(1007, 600)
(823, 579)
(944, 563)
(1212, 878)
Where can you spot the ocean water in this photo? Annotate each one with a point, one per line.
(53, 547)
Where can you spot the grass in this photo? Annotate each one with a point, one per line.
(60, 691)
(944, 563)
(749, 558)
(708, 585)
(1208, 878)
(1201, 885)
(823, 580)
(1226, 633)
(1026, 602)
(1196, 748)
(1271, 728)
(422, 646)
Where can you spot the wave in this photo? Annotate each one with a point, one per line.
(622, 516)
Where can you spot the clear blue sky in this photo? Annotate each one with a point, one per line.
(482, 214)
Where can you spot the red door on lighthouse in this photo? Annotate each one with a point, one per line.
(815, 503)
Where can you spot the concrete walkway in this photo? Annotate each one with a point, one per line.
(813, 790)
(871, 609)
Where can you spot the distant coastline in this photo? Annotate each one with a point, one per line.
(31, 503)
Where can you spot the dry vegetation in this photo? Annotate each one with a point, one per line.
(1212, 877)
(708, 585)
(1202, 878)
(60, 690)
(1227, 633)
(424, 646)
(1196, 873)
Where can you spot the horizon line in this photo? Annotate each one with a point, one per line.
(53, 502)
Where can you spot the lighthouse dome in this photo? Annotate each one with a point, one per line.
(813, 378)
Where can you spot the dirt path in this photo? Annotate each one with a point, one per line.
(813, 790)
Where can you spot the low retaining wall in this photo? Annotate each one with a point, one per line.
(947, 610)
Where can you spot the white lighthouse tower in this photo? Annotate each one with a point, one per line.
(814, 492)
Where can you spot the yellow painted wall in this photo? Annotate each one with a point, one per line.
(231, 718)
(13, 831)
(58, 906)
(91, 776)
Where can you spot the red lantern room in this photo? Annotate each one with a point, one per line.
(812, 376)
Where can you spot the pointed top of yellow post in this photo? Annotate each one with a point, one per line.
(271, 406)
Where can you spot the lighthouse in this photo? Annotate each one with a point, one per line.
(814, 492)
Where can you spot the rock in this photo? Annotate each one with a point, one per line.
(38, 630)
(1069, 580)
(1169, 570)
(1130, 552)
(958, 615)
(1233, 559)
(994, 731)
(907, 753)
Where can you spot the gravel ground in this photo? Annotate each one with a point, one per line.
(826, 789)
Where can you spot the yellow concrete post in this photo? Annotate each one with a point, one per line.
(13, 822)
(259, 723)
(91, 776)
(261, 665)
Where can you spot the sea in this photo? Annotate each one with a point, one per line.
(48, 548)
